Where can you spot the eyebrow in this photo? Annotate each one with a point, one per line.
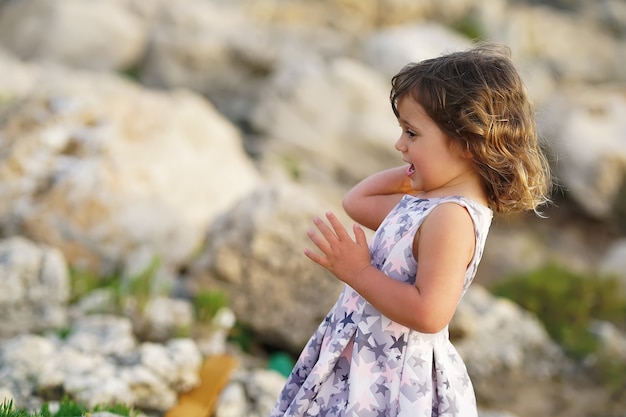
(407, 124)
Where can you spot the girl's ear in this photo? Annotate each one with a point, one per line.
(466, 151)
(461, 147)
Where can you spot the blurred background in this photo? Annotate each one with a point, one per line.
(161, 161)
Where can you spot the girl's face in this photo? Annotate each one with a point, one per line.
(435, 161)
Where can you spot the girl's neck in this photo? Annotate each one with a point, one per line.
(472, 190)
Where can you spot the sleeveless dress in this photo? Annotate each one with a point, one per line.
(359, 363)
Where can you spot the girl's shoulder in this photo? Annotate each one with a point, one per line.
(432, 202)
(480, 213)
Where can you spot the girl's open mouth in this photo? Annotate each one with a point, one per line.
(410, 170)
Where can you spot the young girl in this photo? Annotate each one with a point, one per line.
(470, 147)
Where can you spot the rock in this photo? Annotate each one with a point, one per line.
(6, 396)
(506, 349)
(233, 402)
(341, 112)
(613, 263)
(612, 340)
(482, 413)
(69, 32)
(212, 339)
(201, 401)
(230, 65)
(147, 376)
(353, 17)
(594, 57)
(496, 336)
(250, 393)
(389, 50)
(102, 169)
(34, 289)
(254, 253)
(591, 171)
(176, 362)
(164, 318)
(508, 253)
(104, 334)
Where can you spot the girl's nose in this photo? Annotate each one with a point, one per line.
(399, 145)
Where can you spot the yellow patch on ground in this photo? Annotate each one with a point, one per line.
(201, 401)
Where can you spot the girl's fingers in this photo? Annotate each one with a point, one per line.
(340, 231)
(359, 235)
(324, 230)
(319, 241)
(315, 257)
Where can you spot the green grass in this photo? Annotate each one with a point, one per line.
(567, 302)
(139, 287)
(67, 408)
(207, 303)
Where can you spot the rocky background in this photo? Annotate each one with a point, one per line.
(153, 150)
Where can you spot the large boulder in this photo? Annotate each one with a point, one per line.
(254, 254)
(200, 45)
(575, 48)
(330, 118)
(104, 169)
(388, 50)
(69, 31)
(507, 350)
(584, 129)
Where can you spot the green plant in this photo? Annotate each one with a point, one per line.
(207, 303)
(67, 408)
(63, 332)
(612, 373)
(119, 409)
(566, 302)
(140, 286)
(292, 166)
(243, 336)
(82, 282)
(132, 73)
(183, 331)
(7, 410)
(469, 27)
(45, 411)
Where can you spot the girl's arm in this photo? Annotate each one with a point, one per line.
(444, 246)
(369, 202)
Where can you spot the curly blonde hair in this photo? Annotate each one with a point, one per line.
(477, 97)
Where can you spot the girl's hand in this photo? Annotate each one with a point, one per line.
(343, 257)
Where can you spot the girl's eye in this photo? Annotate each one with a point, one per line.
(407, 131)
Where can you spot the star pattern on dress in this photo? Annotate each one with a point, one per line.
(351, 301)
(398, 343)
(361, 364)
(378, 349)
(347, 319)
